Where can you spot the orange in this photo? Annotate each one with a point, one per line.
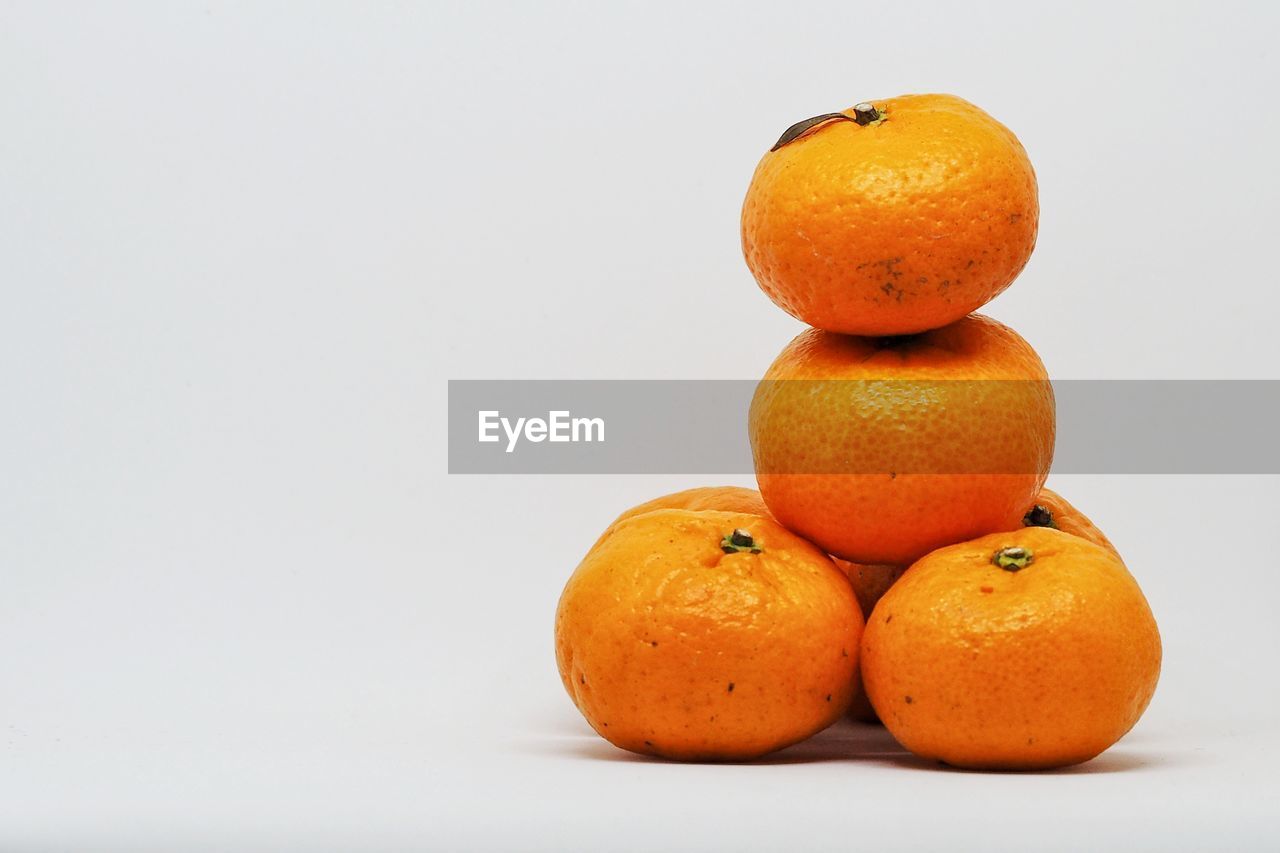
(902, 225)
(870, 583)
(1021, 650)
(706, 635)
(881, 450)
(1052, 510)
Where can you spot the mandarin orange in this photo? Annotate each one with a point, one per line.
(1021, 650)
(706, 635)
(881, 450)
(870, 583)
(895, 224)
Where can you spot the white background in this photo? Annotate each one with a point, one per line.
(242, 247)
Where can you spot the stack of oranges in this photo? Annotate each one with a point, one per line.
(902, 558)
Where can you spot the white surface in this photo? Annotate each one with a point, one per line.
(241, 249)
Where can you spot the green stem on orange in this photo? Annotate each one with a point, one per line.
(1012, 559)
(740, 541)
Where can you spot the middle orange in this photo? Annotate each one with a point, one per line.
(880, 450)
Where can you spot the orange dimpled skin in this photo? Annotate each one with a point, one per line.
(706, 635)
(870, 583)
(904, 224)
(881, 450)
(1023, 650)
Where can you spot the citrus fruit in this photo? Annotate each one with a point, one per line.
(706, 635)
(870, 583)
(880, 450)
(1020, 650)
(1051, 509)
(907, 216)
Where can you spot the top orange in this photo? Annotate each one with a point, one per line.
(905, 217)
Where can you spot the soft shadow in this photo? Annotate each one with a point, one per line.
(1124, 761)
(1111, 761)
(844, 741)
